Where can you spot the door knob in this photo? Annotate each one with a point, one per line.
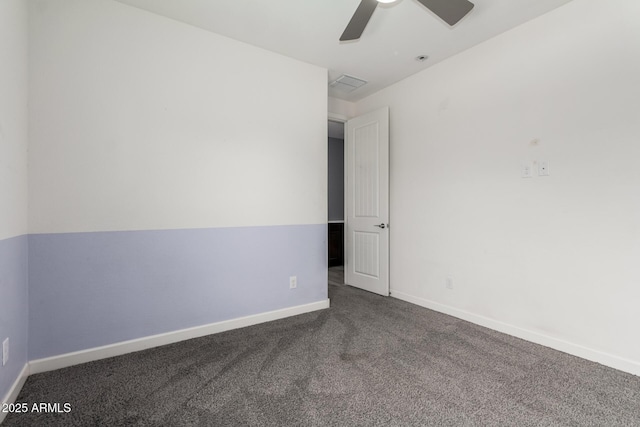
(381, 225)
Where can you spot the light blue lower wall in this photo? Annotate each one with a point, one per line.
(92, 289)
(13, 307)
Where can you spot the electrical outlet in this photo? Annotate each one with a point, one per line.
(526, 170)
(448, 282)
(5, 351)
(543, 168)
(293, 282)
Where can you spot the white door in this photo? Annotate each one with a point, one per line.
(367, 202)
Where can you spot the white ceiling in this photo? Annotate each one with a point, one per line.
(309, 30)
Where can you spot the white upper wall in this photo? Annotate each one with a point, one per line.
(141, 122)
(340, 109)
(13, 118)
(557, 255)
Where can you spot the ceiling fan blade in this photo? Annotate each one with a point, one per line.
(359, 21)
(450, 11)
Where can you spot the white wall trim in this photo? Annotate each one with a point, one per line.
(13, 392)
(606, 359)
(118, 349)
(334, 117)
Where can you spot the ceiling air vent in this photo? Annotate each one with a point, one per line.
(346, 83)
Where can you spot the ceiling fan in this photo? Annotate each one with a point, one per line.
(450, 11)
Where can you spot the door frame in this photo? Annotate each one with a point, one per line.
(339, 118)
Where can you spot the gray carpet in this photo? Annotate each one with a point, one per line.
(366, 361)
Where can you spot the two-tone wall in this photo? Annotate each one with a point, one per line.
(553, 259)
(13, 189)
(177, 178)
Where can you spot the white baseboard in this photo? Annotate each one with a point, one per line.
(606, 359)
(13, 392)
(118, 349)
